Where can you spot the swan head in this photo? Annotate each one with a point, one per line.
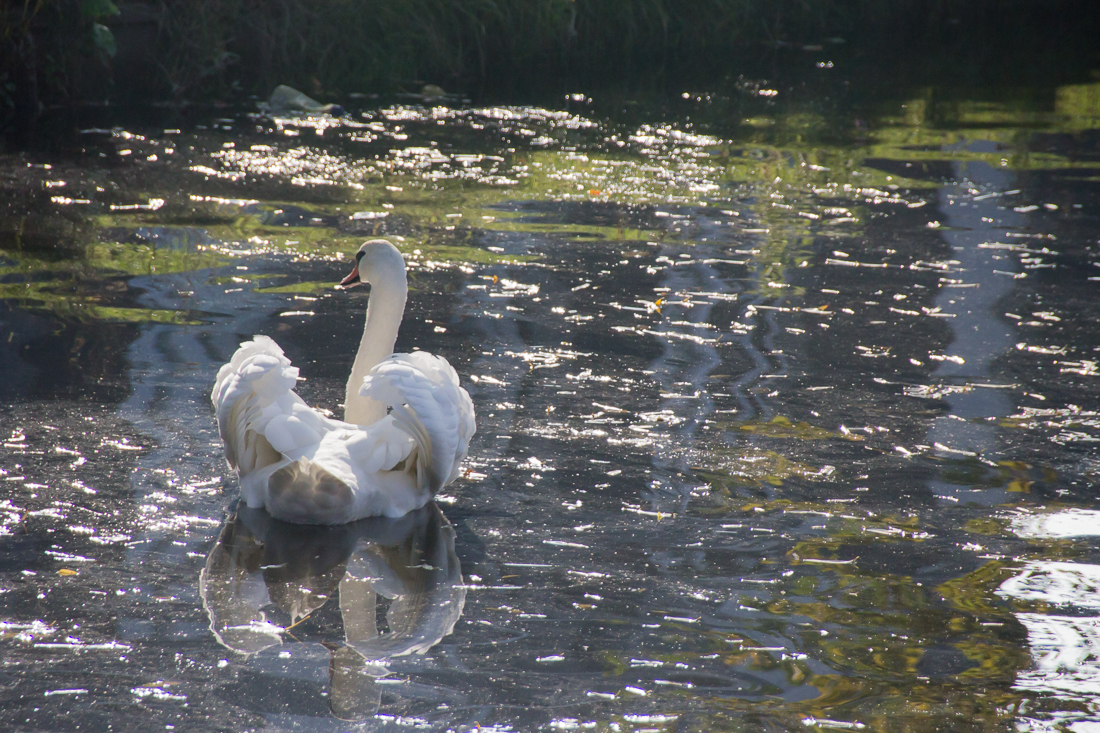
(376, 261)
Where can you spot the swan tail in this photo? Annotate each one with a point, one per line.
(306, 492)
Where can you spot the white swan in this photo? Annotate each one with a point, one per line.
(407, 422)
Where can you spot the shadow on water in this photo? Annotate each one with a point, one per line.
(974, 226)
(786, 417)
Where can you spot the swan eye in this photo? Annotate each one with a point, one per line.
(359, 256)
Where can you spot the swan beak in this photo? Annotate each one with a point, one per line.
(352, 279)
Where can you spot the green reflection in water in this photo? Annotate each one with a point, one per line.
(302, 287)
(143, 259)
(907, 656)
(81, 307)
(1014, 476)
(794, 175)
(82, 288)
(750, 468)
(782, 427)
(883, 630)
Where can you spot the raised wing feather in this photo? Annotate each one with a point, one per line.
(255, 378)
(423, 395)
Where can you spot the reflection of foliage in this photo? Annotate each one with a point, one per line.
(143, 259)
(753, 468)
(921, 136)
(874, 629)
(308, 286)
(1080, 103)
(48, 238)
(59, 264)
(750, 467)
(82, 284)
(781, 183)
(419, 247)
(879, 626)
(795, 175)
(974, 592)
(1015, 476)
(986, 526)
(997, 662)
(796, 178)
(903, 655)
(626, 177)
(81, 307)
(782, 427)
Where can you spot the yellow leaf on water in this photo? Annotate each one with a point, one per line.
(66, 571)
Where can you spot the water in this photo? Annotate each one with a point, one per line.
(786, 414)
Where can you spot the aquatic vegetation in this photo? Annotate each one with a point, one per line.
(782, 427)
(752, 468)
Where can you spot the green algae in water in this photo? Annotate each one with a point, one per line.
(782, 427)
(79, 307)
(302, 287)
(143, 259)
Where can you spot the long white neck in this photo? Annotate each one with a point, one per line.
(384, 311)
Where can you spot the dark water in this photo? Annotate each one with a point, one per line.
(787, 418)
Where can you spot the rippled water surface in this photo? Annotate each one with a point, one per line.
(787, 418)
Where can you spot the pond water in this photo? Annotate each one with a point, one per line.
(787, 417)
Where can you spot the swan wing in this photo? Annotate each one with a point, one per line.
(257, 377)
(423, 396)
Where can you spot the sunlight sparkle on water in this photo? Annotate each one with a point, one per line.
(778, 413)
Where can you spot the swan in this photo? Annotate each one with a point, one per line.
(406, 429)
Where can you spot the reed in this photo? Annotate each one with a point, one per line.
(506, 46)
(217, 48)
(210, 46)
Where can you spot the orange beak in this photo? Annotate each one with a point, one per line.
(352, 279)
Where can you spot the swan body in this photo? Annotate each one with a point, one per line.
(406, 429)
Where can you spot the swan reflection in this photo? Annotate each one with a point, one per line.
(264, 577)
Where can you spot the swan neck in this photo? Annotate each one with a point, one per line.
(384, 312)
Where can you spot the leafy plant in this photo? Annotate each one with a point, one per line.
(102, 38)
